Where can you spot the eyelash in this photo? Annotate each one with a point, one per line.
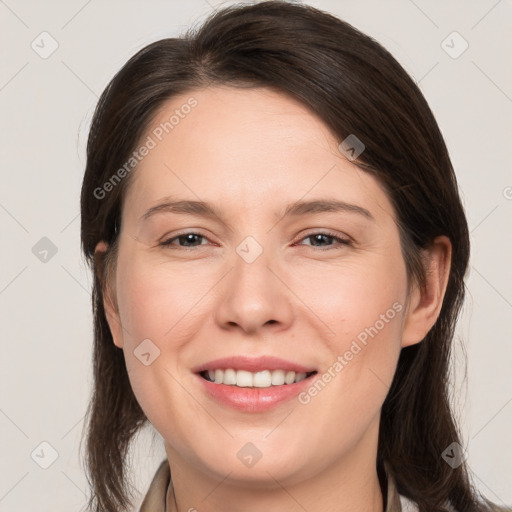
(342, 241)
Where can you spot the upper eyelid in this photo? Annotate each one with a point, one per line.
(327, 232)
(167, 239)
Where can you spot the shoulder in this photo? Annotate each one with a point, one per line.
(154, 501)
(408, 505)
(492, 507)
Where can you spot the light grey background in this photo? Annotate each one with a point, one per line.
(46, 106)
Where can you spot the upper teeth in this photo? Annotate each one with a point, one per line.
(263, 379)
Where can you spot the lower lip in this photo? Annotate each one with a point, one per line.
(254, 399)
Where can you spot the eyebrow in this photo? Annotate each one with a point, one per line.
(298, 208)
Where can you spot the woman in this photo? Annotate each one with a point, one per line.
(279, 251)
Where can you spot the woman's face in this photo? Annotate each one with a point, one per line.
(277, 279)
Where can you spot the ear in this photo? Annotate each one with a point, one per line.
(108, 294)
(425, 302)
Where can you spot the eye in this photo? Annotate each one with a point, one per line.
(320, 237)
(189, 239)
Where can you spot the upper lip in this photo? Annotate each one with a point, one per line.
(253, 364)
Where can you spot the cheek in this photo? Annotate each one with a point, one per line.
(153, 299)
(352, 297)
(151, 302)
(363, 307)
(163, 305)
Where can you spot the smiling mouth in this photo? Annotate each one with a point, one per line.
(261, 379)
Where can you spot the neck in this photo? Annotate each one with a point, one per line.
(348, 485)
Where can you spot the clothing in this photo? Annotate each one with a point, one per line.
(155, 498)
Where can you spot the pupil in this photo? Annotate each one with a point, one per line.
(318, 238)
(190, 237)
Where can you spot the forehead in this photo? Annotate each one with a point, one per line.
(241, 123)
(245, 145)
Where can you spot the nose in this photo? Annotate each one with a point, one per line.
(254, 294)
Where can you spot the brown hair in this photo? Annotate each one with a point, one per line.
(356, 87)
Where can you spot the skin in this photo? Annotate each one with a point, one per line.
(251, 153)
